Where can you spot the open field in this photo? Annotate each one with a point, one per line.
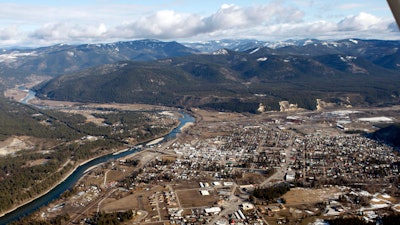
(14, 144)
(148, 201)
(18, 95)
(131, 107)
(193, 198)
(210, 116)
(297, 196)
(15, 94)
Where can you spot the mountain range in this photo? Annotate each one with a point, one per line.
(225, 75)
(61, 59)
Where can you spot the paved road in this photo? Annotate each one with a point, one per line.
(280, 172)
(87, 208)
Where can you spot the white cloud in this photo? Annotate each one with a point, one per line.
(65, 32)
(162, 24)
(38, 25)
(10, 36)
(170, 24)
(234, 16)
(9, 32)
(363, 21)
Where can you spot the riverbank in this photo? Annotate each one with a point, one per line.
(40, 195)
(59, 186)
(61, 181)
(52, 187)
(31, 205)
(187, 125)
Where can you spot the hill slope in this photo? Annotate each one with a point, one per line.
(61, 59)
(390, 135)
(241, 80)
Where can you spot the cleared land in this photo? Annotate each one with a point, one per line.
(193, 198)
(297, 196)
(14, 144)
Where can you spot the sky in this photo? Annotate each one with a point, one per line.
(47, 22)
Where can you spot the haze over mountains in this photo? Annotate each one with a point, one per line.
(226, 75)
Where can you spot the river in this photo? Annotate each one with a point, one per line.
(78, 173)
(31, 94)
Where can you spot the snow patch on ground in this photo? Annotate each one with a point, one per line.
(320, 222)
(376, 119)
(308, 42)
(348, 58)
(254, 51)
(11, 57)
(343, 112)
(354, 41)
(221, 52)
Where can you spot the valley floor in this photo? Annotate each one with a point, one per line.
(208, 174)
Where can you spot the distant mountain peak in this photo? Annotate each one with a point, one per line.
(62, 58)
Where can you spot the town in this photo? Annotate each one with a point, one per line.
(210, 173)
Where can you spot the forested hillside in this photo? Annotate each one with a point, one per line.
(342, 73)
(18, 65)
(52, 143)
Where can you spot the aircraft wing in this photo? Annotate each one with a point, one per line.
(395, 7)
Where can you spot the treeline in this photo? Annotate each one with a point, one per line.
(349, 221)
(58, 220)
(20, 120)
(101, 218)
(271, 193)
(115, 218)
(126, 124)
(391, 220)
(125, 118)
(86, 150)
(234, 106)
(20, 181)
(386, 220)
(59, 138)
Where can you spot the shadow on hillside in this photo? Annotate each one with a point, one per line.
(389, 135)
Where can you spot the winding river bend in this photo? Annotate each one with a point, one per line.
(77, 174)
